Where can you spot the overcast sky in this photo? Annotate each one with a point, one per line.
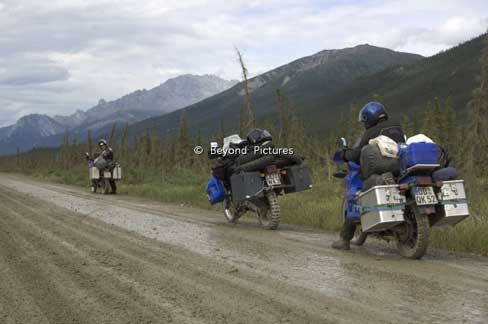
(57, 56)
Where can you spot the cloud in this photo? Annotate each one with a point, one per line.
(29, 75)
(59, 56)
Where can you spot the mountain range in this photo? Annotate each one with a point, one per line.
(42, 130)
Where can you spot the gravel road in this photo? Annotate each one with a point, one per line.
(67, 256)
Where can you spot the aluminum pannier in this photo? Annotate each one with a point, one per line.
(381, 208)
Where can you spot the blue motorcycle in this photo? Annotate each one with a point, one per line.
(420, 195)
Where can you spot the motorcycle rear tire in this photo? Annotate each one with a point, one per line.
(270, 216)
(415, 244)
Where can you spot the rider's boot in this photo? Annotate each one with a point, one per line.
(347, 233)
(341, 245)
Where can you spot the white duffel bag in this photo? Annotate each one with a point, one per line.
(387, 146)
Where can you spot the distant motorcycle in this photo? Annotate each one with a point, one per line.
(253, 183)
(405, 210)
(101, 174)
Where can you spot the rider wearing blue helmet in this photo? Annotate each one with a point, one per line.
(375, 119)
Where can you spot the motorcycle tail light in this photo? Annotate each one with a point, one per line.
(271, 169)
(404, 186)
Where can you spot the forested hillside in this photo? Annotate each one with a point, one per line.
(304, 81)
(405, 85)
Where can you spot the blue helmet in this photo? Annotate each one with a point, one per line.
(372, 113)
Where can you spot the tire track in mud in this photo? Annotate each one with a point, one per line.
(244, 275)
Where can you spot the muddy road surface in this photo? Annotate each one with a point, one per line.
(67, 256)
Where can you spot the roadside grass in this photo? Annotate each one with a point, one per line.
(471, 235)
(318, 208)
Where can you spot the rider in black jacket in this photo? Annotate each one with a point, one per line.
(107, 154)
(375, 119)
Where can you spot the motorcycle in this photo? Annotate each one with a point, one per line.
(255, 186)
(403, 211)
(101, 174)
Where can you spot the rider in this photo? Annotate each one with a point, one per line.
(375, 119)
(107, 154)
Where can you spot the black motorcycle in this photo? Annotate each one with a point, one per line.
(253, 182)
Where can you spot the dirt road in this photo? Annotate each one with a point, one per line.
(67, 256)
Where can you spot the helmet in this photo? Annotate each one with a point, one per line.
(258, 136)
(102, 142)
(372, 113)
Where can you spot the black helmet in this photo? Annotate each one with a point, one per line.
(258, 136)
(372, 113)
(102, 142)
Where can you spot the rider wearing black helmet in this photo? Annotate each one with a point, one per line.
(375, 119)
(258, 136)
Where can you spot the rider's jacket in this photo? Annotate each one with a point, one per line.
(384, 127)
(107, 154)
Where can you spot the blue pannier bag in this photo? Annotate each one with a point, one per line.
(418, 153)
(215, 190)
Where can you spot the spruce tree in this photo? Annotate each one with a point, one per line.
(183, 151)
(477, 132)
(221, 135)
(112, 134)
(249, 119)
(89, 143)
(122, 148)
(428, 121)
(407, 125)
(284, 119)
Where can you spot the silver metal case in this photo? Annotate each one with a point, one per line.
(454, 207)
(117, 173)
(94, 173)
(382, 208)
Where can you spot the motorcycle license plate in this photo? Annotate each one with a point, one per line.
(425, 196)
(273, 179)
